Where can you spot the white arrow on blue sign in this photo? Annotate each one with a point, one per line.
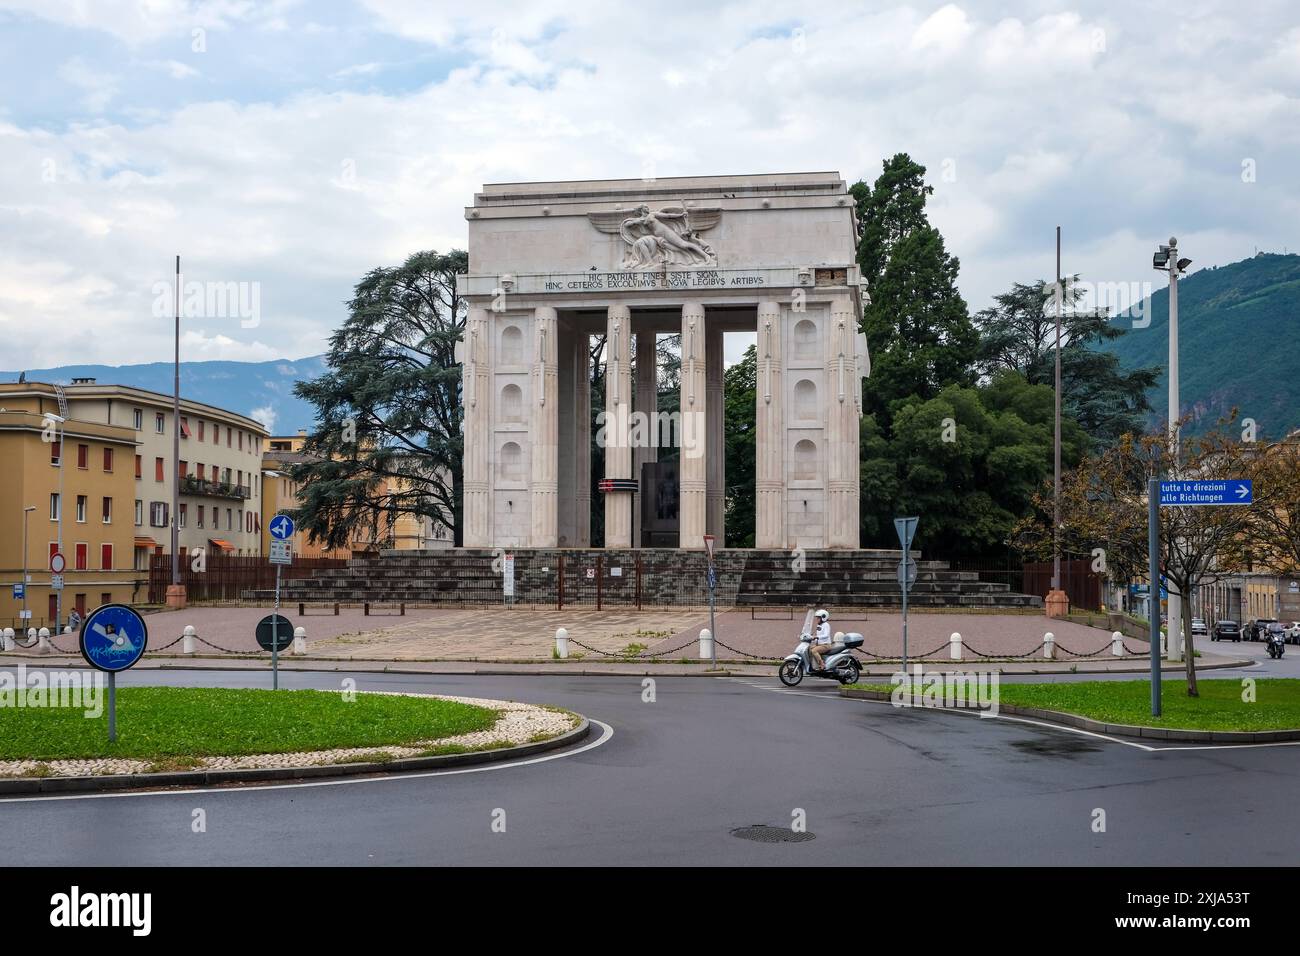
(1231, 491)
(281, 527)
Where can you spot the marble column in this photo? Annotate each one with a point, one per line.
(477, 398)
(692, 468)
(716, 444)
(769, 464)
(581, 385)
(647, 404)
(618, 408)
(545, 438)
(842, 427)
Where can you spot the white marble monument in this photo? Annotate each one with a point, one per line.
(551, 264)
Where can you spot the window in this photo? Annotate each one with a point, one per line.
(181, 515)
(83, 453)
(199, 469)
(106, 558)
(54, 549)
(240, 479)
(139, 419)
(159, 423)
(185, 468)
(54, 507)
(199, 516)
(200, 431)
(81, 509)
(157, 469)
(230, 524)
(139, 512)
(229, 441)
(79, 556)
(108, 511)
(137, 466)
(185, 427)
(108, 459)
(56, 452)
(158, 514)
(241, 441)
(216, 434)
(105, 598)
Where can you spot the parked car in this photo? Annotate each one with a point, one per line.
(1255, 632)
(1293, 632)
(1198, 628)
(1226, 631)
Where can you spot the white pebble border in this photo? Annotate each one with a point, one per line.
(517, 724)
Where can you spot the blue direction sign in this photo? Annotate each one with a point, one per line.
(713, 579)
(1230, 491)
(19, 591)
(113, 637)
(281, 527)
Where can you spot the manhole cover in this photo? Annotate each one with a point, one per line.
(766, 834)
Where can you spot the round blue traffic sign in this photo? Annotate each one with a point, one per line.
(113, 637)
(281, 527)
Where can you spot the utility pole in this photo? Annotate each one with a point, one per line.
(1166, 259)
(176, 590)
(1057, 603)
(26, 511)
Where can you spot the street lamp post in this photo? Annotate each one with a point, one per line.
(63, 454)
(26, 511)
(176, 590)
(1057, 603)
(1166, 260)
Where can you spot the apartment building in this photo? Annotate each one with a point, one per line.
(81, 470)
(220, 468)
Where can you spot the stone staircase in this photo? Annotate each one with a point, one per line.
(650, 577)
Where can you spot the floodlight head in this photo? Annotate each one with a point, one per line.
(1183, 264)
(1161, 259)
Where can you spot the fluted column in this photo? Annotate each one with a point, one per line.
(842, 427)
(769, 464)
(545, 437)
(618, 408)
(716, 446)
(647, 404)
(476, 395)
(692, 468)
(582, 439)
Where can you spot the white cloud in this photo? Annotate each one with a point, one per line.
(97, 87)
(266, 415)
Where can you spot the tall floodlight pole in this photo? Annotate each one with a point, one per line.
(1056, 495)
(176, 437)
(1166, 259)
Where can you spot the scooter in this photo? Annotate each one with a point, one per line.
(1276, 644)
(839, 664)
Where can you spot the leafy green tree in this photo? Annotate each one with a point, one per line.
(1018, 333)
(917, 325)
(739, 392)
(387, 440)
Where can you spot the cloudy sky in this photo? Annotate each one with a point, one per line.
(295, 145)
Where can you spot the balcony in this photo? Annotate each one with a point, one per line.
(214, 489)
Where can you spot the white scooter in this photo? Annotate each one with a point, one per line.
(839, 664)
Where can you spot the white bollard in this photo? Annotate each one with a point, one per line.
(7, 638)
(67, 629)
(706, 645)
(43, 647)
(561, 643)
(300, 640)
(1117, 643)
(954, 646)
(188, 644)
(1049, 646)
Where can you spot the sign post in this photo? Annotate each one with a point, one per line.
(1197, 493)
(281, 528)
(906, 528)
(712, 576)
(113, 638)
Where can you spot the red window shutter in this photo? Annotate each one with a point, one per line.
(56, 452)
(108, 459)
(80, 555)
(157, 469)
(137, 466)
(83, 452)
(106, 557)
(54, 548)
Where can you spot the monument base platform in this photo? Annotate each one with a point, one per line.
(650, 577)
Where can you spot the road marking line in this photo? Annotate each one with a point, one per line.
(606, 733)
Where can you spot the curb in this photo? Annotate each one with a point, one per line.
(1120, 730)
(13, 786)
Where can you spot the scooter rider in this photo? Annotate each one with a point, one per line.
(821, 637)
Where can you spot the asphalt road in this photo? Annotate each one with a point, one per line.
(878, 785)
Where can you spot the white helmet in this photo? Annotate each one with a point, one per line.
(821, 614)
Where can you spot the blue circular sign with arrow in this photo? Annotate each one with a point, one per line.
(281, 527)
(113, 637)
